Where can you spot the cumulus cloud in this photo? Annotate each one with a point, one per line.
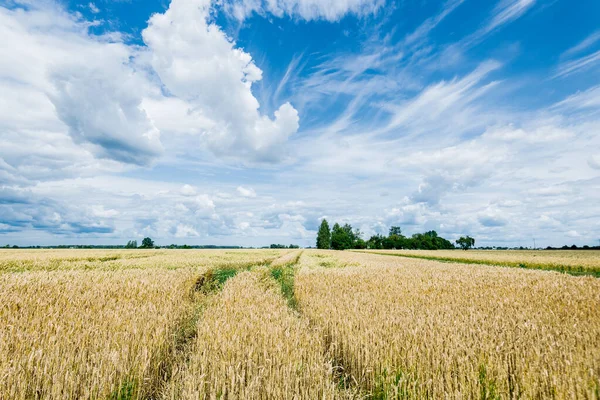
(74, 94)
(93, 97)
(188, 190)
(492, 217)
(101, 107)
(183, 231)
(22, 209)
(407, 214)
(197, 63)
(246, 192)
(418, 143)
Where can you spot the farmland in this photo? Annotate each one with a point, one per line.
(303, 324)
(573, 262)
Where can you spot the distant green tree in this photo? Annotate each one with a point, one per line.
(147, 243)
(132, 244)
(324, 236)
(394, 242)
(359, 243)
(294, 246)
(376, 242)
(395, 230)
(466, 242)
(342, 237)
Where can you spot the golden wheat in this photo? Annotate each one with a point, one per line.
(56, 260)
(148, 323)
(94, 324)
(406, 328)
(87, 335)
(251, 345)
(563, 260)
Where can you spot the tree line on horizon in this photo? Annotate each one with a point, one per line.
(344, 237)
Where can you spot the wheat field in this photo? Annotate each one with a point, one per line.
(423, 329)
(99, 324)
(572, 261)
(250, 345)
(302, 324)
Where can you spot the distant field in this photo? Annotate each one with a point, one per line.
(54, 260)
(571, 261)
(297, 324)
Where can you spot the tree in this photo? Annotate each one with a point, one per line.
(395, 239)
(376, 242)
(324, 236)
(147, 243)
(342, 238)
(132, 244)
(465, 242)
(395, 230)
(359, 243)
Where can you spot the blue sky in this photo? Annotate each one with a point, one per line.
(246, 122)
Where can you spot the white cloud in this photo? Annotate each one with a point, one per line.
(188, 190)
(491, 218)
(197, 63)
(246, 192)
(578, 65)
(100, 211)
(588, 99)
(331, 10)
(430, 23)
(504, 13)
(594, 161)
(583, 45)
(551, 191)
(442, 102)
(443, 145)
(93, 8)
(507, 11)
(60, 82)
(52, 63)
(101, 107)
(184, 231)
(243, 225)
(541, 133)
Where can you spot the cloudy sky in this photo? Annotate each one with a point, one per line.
(245, 122)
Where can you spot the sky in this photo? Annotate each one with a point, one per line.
(246, 122)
